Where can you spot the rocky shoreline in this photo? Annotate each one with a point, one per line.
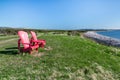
(102, 39)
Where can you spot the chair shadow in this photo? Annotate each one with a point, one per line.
(9, 51)
(10, 48)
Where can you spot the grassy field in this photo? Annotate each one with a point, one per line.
(67, 58)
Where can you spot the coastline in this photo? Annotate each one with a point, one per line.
(109, 41)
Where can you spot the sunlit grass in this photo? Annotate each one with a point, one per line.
(70, 57)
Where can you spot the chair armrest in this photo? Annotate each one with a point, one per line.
(35, 41)
(40, 40)
(26, 43)
(19, 42)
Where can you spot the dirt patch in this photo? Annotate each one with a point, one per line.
(82, 36)
(48, 48)
(38, 54)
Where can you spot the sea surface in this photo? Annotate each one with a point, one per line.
(111, 33)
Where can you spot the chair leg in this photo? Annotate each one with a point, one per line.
(37, 50)
(41, 45)
(30, 52)
(20, 50)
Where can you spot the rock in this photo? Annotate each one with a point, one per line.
(102, 39)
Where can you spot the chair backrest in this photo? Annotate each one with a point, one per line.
(34, 37)
(24, 38)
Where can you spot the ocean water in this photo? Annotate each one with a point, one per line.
(112, 33)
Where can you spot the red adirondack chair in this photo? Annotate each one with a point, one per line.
(24, 40)
(34, 40)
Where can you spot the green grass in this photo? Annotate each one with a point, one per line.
(70, 57)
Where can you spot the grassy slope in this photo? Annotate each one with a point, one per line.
(72, 58)
(7, 37)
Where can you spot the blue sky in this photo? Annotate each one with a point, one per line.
(60, 14)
